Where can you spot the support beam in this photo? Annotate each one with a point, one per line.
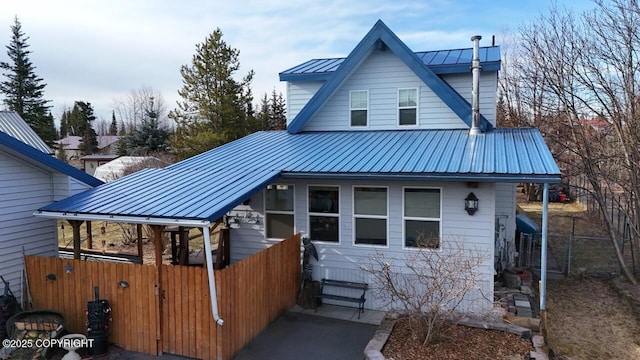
(75, 224)
(140, 252)
(543, 250)
(89, 236)
(158, 247)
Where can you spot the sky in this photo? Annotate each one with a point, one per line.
(100, 51)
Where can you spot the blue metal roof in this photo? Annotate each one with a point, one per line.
(514, 154)
(18, 147)
(381, 37)
(439, 61)
(168, 193)
(209, 184)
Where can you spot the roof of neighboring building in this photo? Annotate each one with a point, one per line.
(208, 185)
(13, 125)
(98, 157)
(18, 147)
(440, 61)
(115, 168)
(73, 142)
(380, 37)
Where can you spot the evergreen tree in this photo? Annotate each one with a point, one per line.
(113, 128)
(273, 112)
(147, 138)
(23, 90)
(64, 124)
(122, 130)
(215, 108)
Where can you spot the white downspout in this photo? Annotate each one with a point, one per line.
(212, 281)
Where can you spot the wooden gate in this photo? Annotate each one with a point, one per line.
(251, 294)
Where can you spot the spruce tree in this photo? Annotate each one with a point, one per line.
(273, 112)
(113, 128)
(215, 107)
(23, 90)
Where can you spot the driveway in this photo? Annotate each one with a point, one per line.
(301, 336)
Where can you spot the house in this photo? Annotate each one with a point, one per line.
(116, 168)
(107, 145)
(29, 179)
(381, 146)
(91, 162)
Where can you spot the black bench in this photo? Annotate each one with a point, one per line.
(344, 284)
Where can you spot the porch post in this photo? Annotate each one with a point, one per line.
(89, 236)
(543, 257)
(75, 224)
(157, 245)
(139, 234)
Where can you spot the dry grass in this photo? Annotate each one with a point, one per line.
(587, 318)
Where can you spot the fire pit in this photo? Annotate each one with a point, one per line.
(35, 328)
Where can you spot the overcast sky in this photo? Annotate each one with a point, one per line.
(98, 51)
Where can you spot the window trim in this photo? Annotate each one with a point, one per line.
(398, 107)
(278, 212)
(351, 109)
(416, 218)
(336, 215)
(363, 216)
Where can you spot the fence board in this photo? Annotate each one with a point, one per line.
(251, 294)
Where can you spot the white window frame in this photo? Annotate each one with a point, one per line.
(417, 89)
(278, 212)
(336, 215)
(363, 216)
(418, 218)
(351, 109)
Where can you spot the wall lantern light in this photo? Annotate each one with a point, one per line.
(471, 203)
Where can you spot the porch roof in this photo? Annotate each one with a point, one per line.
(206, 186)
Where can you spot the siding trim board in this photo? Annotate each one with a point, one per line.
(380, 38)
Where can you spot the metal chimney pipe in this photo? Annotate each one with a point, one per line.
(475, 91)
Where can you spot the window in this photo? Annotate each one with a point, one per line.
(279, 211)
(324, 217)
(359, 105)
(422, 218)
(408, 106)
(370, 215)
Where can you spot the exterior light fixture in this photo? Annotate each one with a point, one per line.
(471, 203)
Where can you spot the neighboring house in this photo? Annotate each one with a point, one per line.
(380, 146)
(91, 162)
(115, 168)
(29, 179)
(107, 145)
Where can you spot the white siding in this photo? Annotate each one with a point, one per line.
(382, 74)
(23, 189)
(344, 260)
(488, 91)
(298, 94)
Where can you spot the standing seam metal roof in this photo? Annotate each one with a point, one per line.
(208, 185)
(12, 124)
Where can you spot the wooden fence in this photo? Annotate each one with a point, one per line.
(251, 294)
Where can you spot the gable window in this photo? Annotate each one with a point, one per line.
(324, 213)
(359, 107)
(408, 106)
(279, 211)
(370, 213)
(422, 218)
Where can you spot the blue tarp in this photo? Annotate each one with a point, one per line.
(526, 225)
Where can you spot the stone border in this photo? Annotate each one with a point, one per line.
(373, 350)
